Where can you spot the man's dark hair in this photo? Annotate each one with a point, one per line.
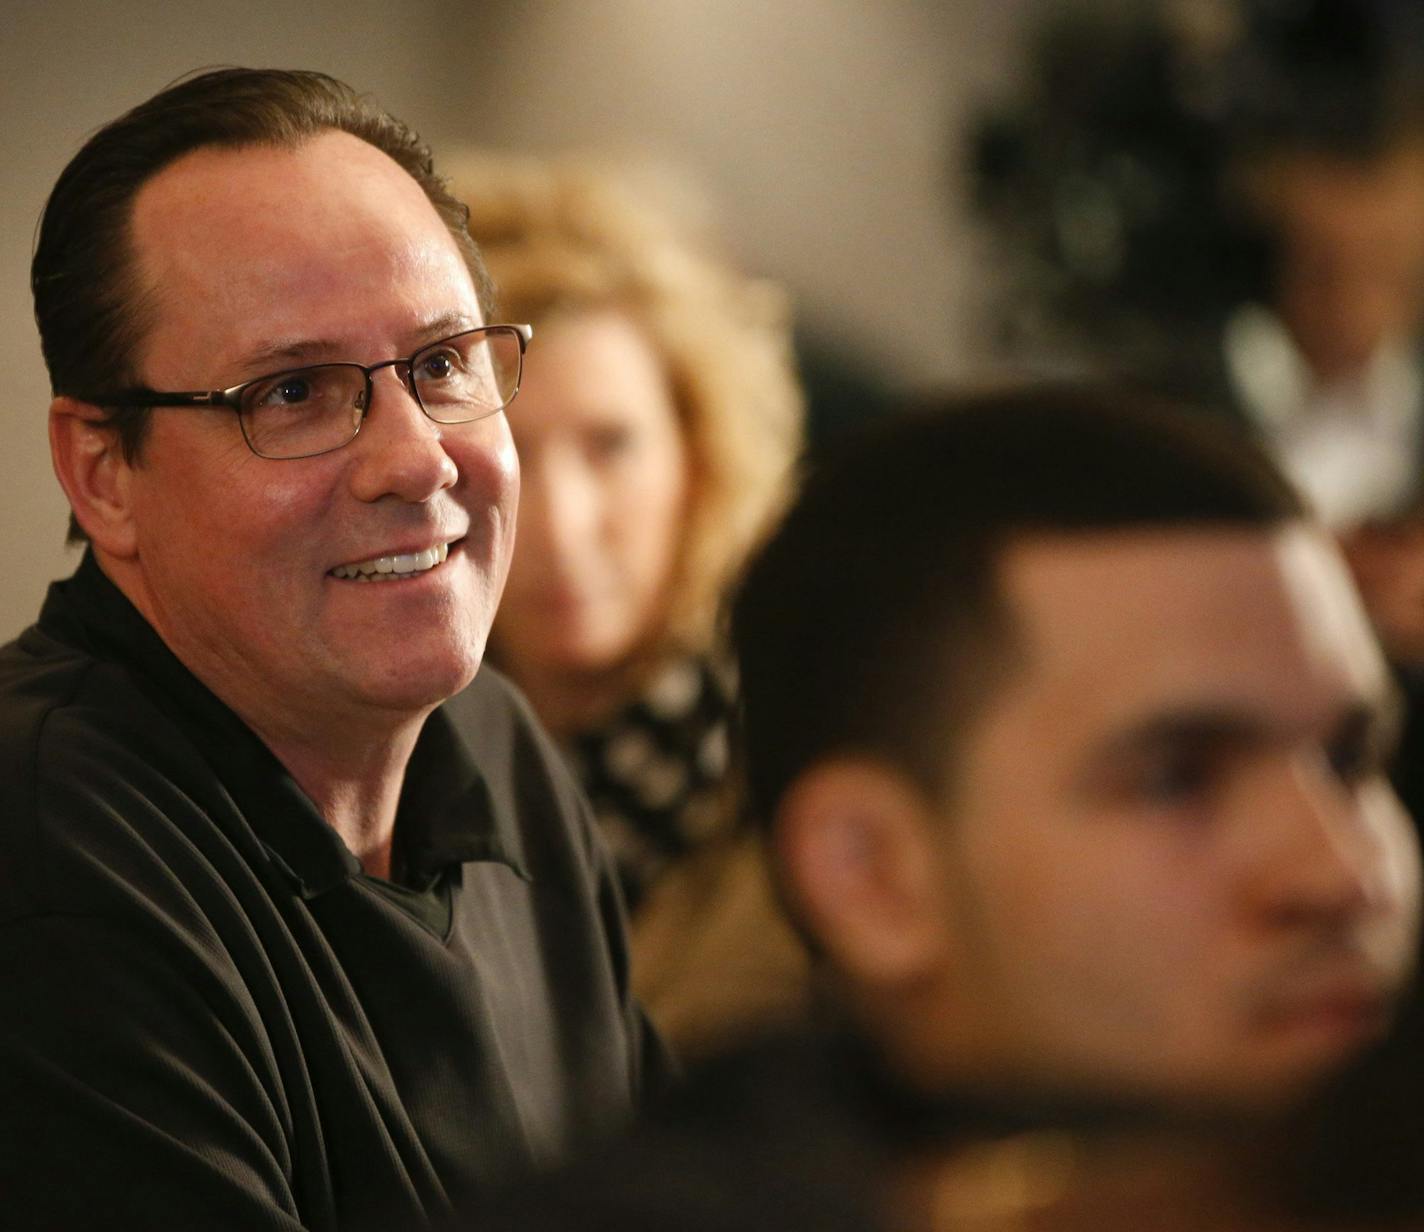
(871, 623)
(89, 309)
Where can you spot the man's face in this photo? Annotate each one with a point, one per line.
(1173, 865)
(1351, 255)
(260, 259)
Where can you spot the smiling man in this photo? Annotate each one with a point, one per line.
(285, 940)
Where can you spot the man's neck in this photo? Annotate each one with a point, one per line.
(351, 763)
(357, 794)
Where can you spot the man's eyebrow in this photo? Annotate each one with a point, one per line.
(455, 321)
(303, 351)
(1190, 725)
(270, 355)
(1215, 726)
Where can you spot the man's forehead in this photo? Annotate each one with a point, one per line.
(1070, 561)
(1245, 599)
(265, 245)
(210, 176)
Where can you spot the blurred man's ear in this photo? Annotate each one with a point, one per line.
(855, 841)
(92, 470)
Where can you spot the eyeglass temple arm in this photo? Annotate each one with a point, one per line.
(227, 397)
(152, 397)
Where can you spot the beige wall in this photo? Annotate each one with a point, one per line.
(818, 128)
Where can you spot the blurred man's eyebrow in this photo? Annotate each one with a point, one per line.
(1200, 726)
(1217, 726)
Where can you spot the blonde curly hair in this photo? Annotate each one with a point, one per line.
(561, 237)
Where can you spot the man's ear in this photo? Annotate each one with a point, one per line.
(91, 468)
(858, 854)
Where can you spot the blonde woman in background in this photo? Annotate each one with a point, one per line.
(657, 425)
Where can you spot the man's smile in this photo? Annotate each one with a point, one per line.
(394, 567)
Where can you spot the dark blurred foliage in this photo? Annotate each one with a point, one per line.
(1106, 184)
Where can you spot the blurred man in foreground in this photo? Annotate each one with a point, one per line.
(1067, 728)
(1067, 731)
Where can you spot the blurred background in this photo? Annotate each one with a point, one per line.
(819, 134)
(1218, 199)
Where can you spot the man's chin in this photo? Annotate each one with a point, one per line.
(413, 687)
(1256, 1084)
(1272, 1086)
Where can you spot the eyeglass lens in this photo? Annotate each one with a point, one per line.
(312, 410)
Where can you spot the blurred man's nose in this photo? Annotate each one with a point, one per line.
(1325, 861)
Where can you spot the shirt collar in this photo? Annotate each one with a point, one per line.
(446, 815)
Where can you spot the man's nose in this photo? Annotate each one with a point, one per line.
(1328, 859)
(399, 451)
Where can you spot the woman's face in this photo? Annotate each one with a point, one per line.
(605, 483)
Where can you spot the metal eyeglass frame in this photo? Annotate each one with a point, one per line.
(231, 397)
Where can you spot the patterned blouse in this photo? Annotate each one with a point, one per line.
(654, 771)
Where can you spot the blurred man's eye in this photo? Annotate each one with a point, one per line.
(1355, 757)
(1175, 778)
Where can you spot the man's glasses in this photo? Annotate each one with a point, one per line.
(306, 411)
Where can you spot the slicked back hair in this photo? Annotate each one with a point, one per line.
(871, 624)
(90, 313)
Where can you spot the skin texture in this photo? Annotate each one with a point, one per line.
(1172, 867)
(605, 485)
(253, 260)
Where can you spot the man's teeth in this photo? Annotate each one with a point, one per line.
(388, 568)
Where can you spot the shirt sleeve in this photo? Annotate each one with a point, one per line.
(128, 1099)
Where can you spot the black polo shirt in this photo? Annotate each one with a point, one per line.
(210, 1017)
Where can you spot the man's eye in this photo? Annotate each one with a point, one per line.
(296, 390)
(1354, 758)
(283, 391)
(1174, 780)
(1361, 748)
(439, 366)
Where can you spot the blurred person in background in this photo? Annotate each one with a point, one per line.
(656, 436)
(1223, 200)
